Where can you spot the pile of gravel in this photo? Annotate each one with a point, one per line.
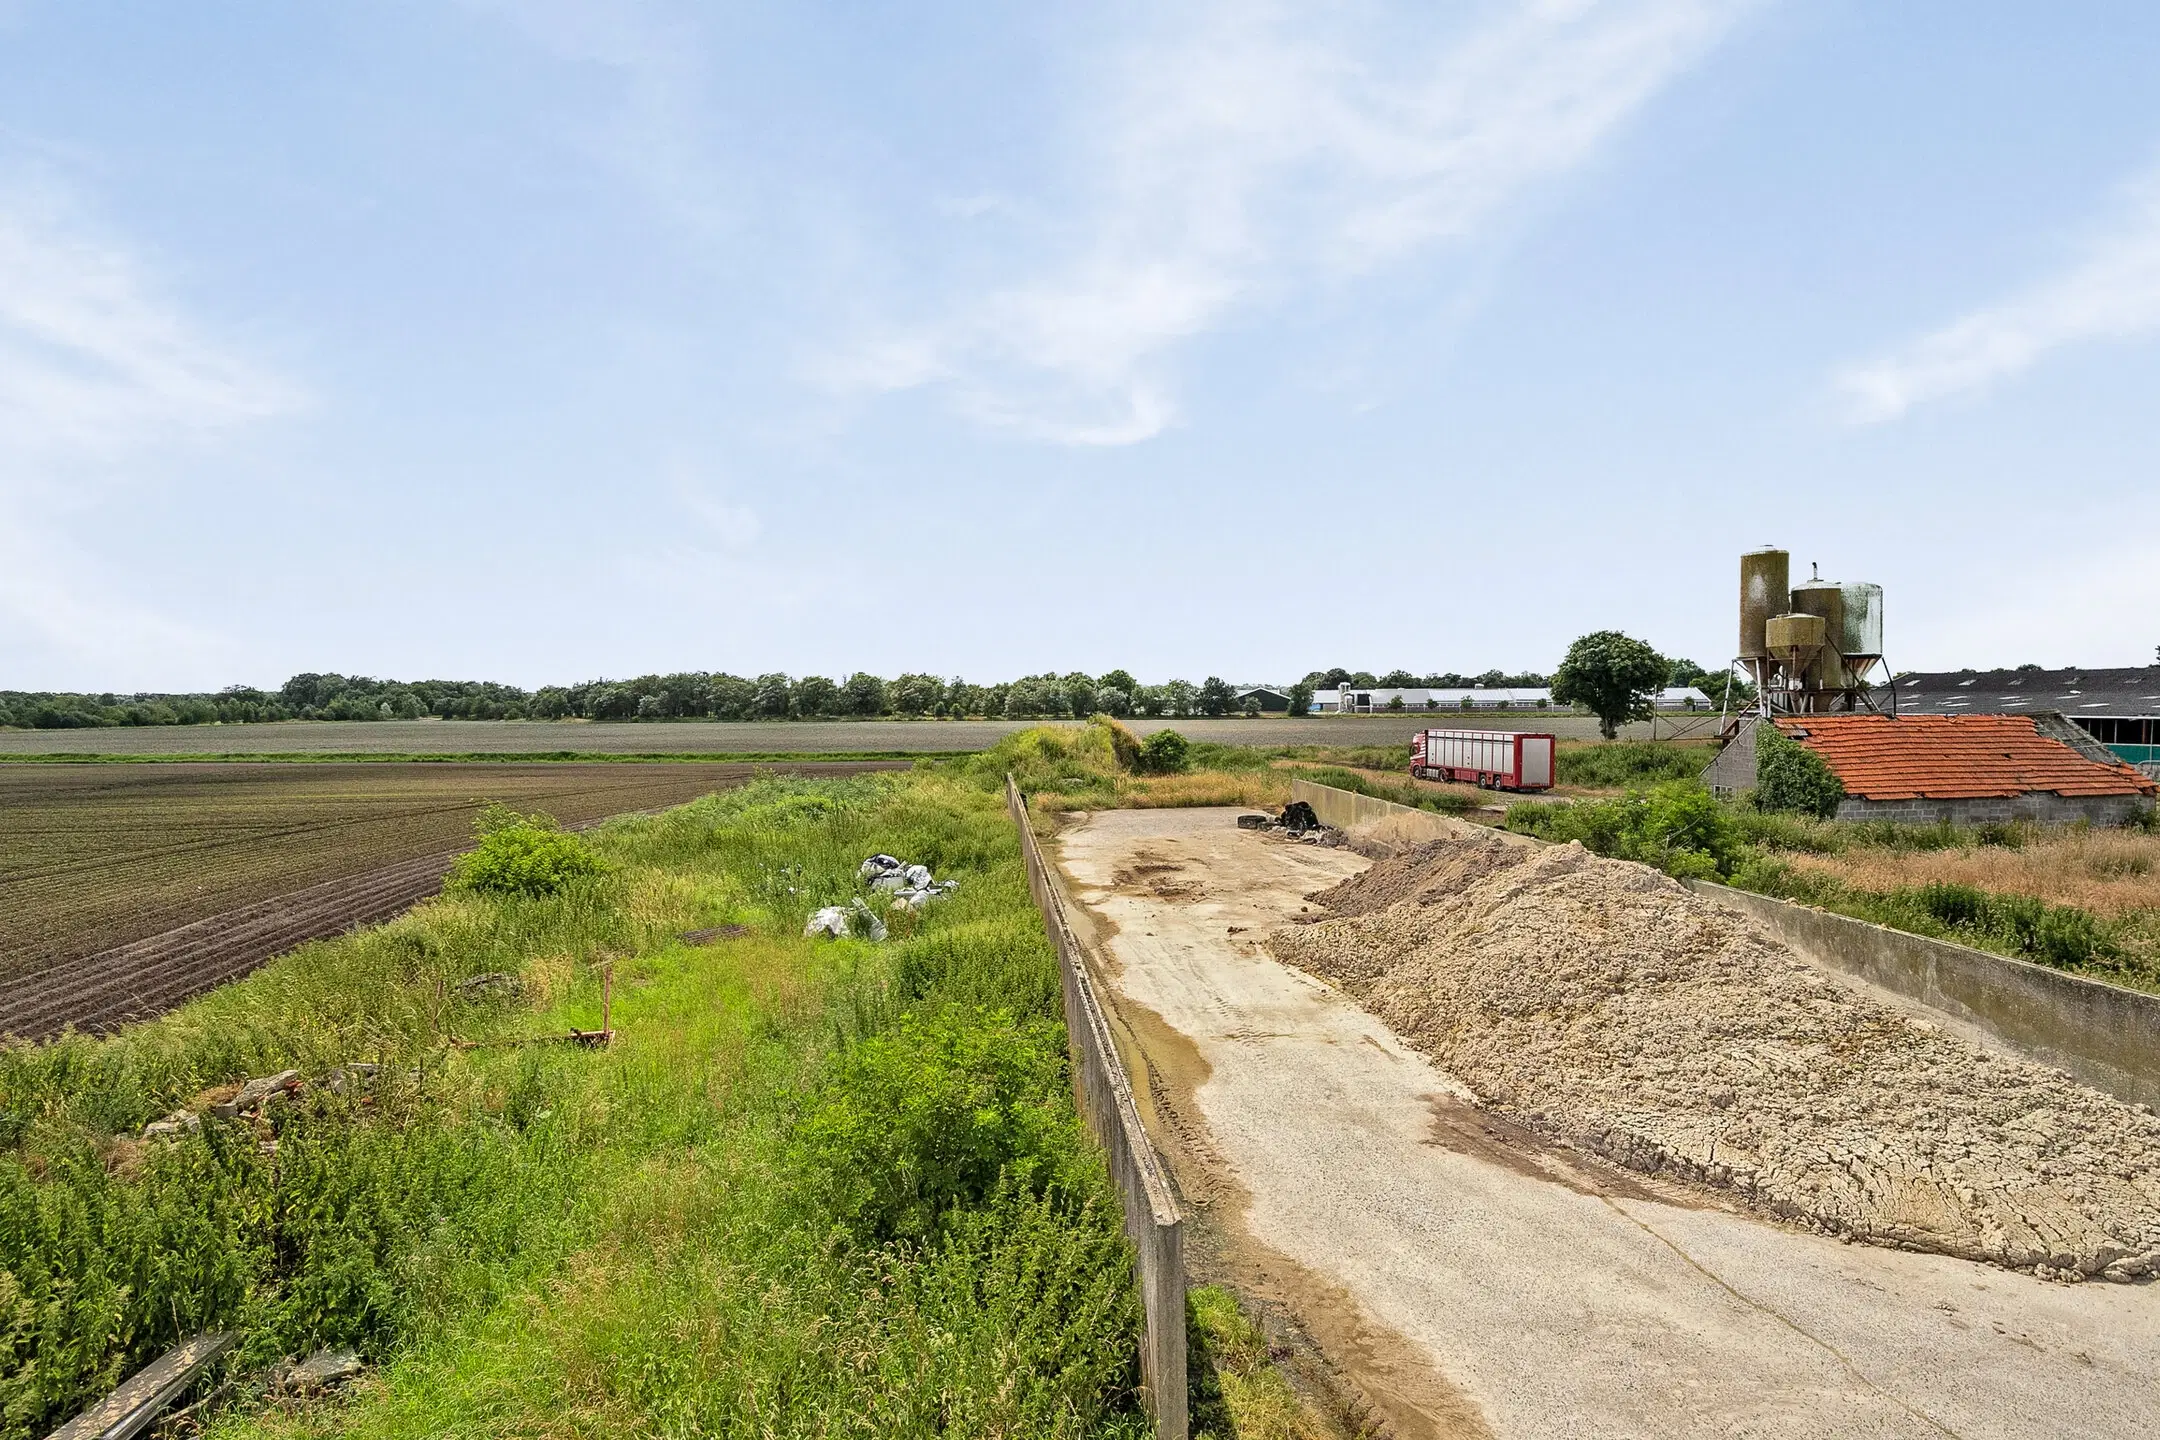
(1607, 1006)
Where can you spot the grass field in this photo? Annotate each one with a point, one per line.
(814, 1188)
(97, 856)
(392, 738)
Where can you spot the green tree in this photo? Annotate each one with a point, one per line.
(1215, 696)
(916, 694)
(863, 694)
(1120, 680)
(1179, 697)
(1077, 692)
(815, 697)
(1301, 698)
(1613, 676)
(774, 694)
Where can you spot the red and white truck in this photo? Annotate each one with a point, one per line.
(1495, 759)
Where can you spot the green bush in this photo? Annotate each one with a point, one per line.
(1631, 762)
(1165, 753)
(929, 1116)
(1791, 777)
(526, 855)
(1679, 827)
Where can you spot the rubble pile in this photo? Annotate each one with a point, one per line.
(1605, 1005)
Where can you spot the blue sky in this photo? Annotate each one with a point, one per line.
(537, 341)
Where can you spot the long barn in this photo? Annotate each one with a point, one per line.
(2119, 708)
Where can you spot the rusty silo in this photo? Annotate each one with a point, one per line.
(1765, 579)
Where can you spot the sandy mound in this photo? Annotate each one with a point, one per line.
(1605, 1005)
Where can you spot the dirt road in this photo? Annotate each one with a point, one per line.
(1471, 1282)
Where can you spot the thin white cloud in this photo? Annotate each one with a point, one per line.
(97, 372)
(92, 362)
(2112, 292)
(1260, 148)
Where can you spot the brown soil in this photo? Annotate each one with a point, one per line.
(1599, 1003)
(153, 974)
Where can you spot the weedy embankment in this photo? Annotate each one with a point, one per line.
(813, 1188)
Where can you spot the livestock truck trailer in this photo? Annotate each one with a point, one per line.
(1495, 759)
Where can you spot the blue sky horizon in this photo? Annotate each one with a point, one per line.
(542, 341)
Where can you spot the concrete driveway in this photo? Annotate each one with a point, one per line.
(1470, 1280)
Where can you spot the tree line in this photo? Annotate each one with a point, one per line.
(717, 695)
(686, 695)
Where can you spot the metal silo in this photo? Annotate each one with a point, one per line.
(1826, 599)
(1862, 634)
(1765, 576)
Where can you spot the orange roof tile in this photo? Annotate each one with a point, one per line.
(1954, 757)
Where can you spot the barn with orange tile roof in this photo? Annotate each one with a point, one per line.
(1966, 769)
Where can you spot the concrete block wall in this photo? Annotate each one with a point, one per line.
(2042, 806)
(1153, 1220)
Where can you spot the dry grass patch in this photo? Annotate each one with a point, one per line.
(2108, 872)
(1259, 788)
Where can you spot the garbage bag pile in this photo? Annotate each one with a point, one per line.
(841, 921)
(1298, 822)
(911, 886)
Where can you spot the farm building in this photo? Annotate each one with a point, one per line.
(1366, 700)
(1965, 769)
(2119, 708)
(1266, 700)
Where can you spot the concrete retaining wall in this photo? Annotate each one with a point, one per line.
(1104, 1091)
(1347, 810)
(2105, 1035)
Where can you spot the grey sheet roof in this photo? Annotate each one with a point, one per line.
(2017, 692)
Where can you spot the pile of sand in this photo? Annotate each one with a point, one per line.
(1605, 1005)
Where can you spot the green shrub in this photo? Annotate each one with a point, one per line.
(1165, 753)
(1789, 776)
(1630, 762)
(929, 1116)
(522, 855)
(1679, 827)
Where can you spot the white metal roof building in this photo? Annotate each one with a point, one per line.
(1365, 700)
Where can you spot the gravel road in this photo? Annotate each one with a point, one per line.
(1471, 1281)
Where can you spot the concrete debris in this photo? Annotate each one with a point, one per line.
(323, 1370)
(842, 921)
(494, 985)
(1606, 1006)
(257, 1093)
(180, 1122)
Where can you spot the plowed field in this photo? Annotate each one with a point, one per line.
(95, 857)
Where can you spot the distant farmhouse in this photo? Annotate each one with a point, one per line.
(1367, 700)
(2119, 708)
